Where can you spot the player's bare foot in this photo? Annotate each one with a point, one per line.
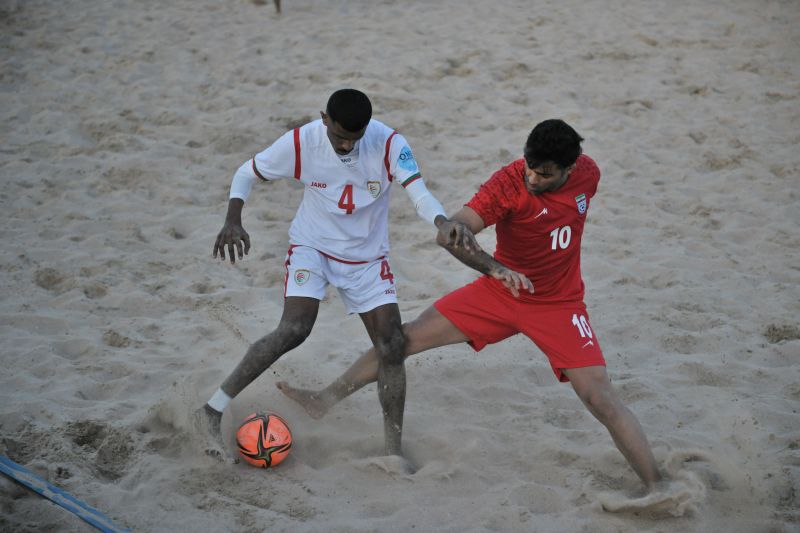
(207, 422)
(308, 399)
(394, 465)
(398, 464)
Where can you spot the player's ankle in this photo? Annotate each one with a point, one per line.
(219, 401)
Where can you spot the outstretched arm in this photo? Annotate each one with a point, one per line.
(457, 236)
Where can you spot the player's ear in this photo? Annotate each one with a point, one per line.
(324, 117)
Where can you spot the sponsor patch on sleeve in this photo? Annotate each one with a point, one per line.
(406, 160)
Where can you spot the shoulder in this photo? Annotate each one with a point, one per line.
(505, 185)
(500, 195)
(311, 134)
(585, 177)
(586, 168)
(377, 132)
(509, 177)
(379, 128)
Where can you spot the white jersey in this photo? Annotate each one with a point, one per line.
(345, 207)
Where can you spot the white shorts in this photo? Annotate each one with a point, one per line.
(362, 286)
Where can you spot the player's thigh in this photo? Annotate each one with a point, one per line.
(429, 330)
(363, 288)
(564, 334)
(589, 380)
(480, 312)
(306, 273)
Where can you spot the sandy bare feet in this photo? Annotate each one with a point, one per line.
(394, 465)
(674, 497)
(308, 399)
(207, 422)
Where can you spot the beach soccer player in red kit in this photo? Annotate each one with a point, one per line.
(532, 285)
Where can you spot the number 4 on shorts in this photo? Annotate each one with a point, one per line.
(386, 272)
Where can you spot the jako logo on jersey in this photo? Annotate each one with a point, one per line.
(581, 201)
(301, 276)
(389, 291)
(374, 188)
(318, 184)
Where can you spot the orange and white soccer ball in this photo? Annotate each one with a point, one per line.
(264, 440)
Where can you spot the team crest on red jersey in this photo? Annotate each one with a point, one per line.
(581, 201)
(374, 188)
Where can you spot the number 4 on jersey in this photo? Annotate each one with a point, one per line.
(346, 201)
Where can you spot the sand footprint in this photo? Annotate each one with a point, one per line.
(393, 465)
(676, 497)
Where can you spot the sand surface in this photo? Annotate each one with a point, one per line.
(122, 123)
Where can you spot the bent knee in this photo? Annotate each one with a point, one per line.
(292, 334)
(392, 349)
(603, 404)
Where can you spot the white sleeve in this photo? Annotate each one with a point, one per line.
(276, 162)
(243, 181)
(402, 164)
(427, 206)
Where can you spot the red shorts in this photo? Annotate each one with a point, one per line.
(488, 313)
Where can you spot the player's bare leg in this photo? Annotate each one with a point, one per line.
(430, 330)
(299, 315)
(386, 332)
(595, 391)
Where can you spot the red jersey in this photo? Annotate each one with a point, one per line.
(539, 235)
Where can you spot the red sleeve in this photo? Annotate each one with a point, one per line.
(498, 196)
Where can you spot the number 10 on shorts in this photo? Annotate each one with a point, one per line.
(582, 324)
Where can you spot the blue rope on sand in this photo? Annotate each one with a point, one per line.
(81, 510)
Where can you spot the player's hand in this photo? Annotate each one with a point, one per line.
(513, 281)
(456, 235)
(232, 235)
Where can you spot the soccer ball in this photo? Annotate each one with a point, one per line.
(264, 439)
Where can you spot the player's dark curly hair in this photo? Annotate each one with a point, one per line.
(552, 140)
(349, 108)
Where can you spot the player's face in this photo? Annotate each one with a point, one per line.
(546, 177)
(342, 140)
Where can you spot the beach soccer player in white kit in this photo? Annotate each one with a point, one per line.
(339, 236)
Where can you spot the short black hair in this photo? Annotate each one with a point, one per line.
(350, 108)
(552, 140)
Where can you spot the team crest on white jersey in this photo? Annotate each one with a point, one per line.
(301, 276)
(374, 188)
(581, 201)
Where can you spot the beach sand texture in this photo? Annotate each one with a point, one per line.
(123, 122)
